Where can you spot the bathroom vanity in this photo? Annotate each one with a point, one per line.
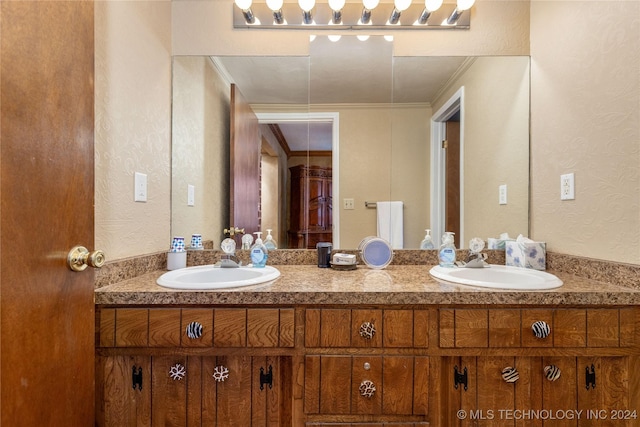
(320, 347)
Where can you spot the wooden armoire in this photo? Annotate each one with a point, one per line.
(311, 207)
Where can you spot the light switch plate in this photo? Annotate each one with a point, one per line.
(191, 195)
(140, 187)
(502, 194)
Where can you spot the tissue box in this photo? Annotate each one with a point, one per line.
(526, 254)
(498, 244)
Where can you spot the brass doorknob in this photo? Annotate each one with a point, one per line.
(80, 258)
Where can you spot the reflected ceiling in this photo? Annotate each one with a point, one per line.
(348, 71)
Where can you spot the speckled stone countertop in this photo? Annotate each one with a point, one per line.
(395, 285)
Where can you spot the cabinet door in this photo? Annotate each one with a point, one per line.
(193, 391)
(389, 385)
(603, 392)
(317, 203)
(535, 400)
(169, 391)
(240, 399)
(118, 403)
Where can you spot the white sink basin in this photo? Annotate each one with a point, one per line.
(498, 276)
(214, 277)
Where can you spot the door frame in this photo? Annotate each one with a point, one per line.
(438, 133)
(319, 117)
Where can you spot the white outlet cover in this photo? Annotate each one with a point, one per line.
(349, 204)
(567, 187)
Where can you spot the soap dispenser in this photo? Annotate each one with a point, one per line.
(259, 252)
(427, 242)
(447, 253)
(269, 242)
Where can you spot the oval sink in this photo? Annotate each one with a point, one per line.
(498, 276)
(214, 277)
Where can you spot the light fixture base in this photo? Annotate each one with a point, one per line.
(351, 14)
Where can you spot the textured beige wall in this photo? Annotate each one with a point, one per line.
(585, 109)
(496, 144)
(200, 149)
(132, 125)
(383, 156)
(585, 84)
(410, 169)
(133, 96)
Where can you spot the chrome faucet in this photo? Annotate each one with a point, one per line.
(475, 259)
(230, 261)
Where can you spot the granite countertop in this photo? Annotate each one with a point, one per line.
(395, 285)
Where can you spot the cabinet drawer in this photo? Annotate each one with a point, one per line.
(356, 385)
(389, 328)
(559, 328)
(195, 327)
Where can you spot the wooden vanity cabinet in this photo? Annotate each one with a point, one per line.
(367, 366)
(593, 350)
(236, 372)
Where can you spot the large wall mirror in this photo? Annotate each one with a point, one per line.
(367, 127)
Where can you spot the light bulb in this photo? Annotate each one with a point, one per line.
(244, 4)
(363, 38)
(275, 5)
(306, 5)
(432, 5)
(370, 4)
(402, 5)
(336, 4)
(465, 4)
(334, 38)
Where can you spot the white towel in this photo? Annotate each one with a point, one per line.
(390, 225)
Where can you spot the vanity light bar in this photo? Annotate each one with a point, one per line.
(324, 18)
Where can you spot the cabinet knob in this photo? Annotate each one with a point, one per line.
(552, 372)
(510, 374)
(220, 373)
(194, 330)
(367, 389)
(367, 330)
(177, 372)
(541, 329)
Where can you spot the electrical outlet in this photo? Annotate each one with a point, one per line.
(349, 204)
(191, 195)
(140, 187)
(567, 187)
(502, 194)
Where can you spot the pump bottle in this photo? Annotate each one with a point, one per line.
(259, 252)
(269, 242)
(427, 242)
(447, 254)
